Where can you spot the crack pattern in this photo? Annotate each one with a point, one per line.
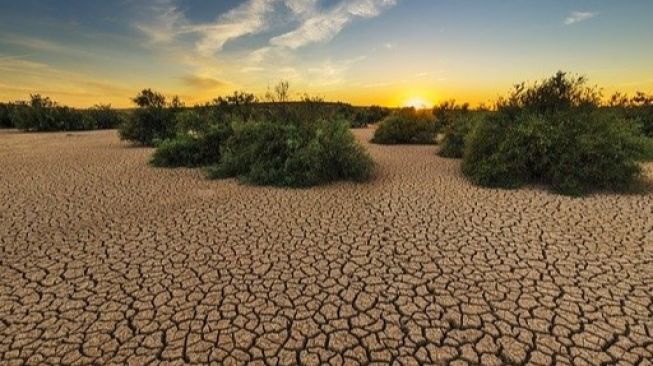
(104, 260)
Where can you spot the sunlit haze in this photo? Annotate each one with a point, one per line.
(387, 52)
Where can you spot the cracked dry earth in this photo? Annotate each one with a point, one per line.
(105, 260)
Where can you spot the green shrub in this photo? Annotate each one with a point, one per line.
(42, 114)
(561, 92)
(638, 110)
(406, 127)
(554, 133)
(105, 117)
(238, 105)
(6, 110)
(456, 132)
(448, 113)
(648, 149)
(192, 150)
(297, 155)
(499, 150)
(152, 120)
(365, 116)
(180, 151)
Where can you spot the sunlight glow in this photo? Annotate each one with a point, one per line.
(418, 103)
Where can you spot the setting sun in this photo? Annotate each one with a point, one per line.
(418, 103)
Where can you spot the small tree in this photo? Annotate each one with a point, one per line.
(153, 119)
(281, 93)
(149, 99)
(239, 103)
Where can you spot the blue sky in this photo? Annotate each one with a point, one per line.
(360, 51)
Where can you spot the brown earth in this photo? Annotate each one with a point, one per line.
(105, 260)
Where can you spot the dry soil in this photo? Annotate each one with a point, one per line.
(106, 260)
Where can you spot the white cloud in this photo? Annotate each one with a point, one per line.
(330, 72)
(257, 56)
(301, 7)
(167, 23)
(255, 16)
(248, 18)
(323, 26)
(579, 16)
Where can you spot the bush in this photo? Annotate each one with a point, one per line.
(6, 110)
(553, 133)
(289, 154)
(42, 114)
(152, 120)
(456, 132)
(447, 113)
(192, 150)
(648, 149)
(365, 116)
(638, 110)
(238, 105)
(105, 117)
(406, 127)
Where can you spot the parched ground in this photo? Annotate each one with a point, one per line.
(105, 260)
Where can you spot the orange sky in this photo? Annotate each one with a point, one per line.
(385, 52)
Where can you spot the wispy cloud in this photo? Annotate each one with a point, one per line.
(331, 73)
(323, 26)
(579, 16)
(168, 22)
(39, 45)
(315, 23)
(39, 77)
(248, 18)
(201, 82)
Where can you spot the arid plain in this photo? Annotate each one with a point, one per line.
(106, 260)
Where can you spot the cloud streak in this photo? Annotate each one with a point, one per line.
(315, 24)
(323, 26)
(248, 18)
(200, 82)
(579, 16)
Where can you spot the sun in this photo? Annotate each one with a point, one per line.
(418, 103)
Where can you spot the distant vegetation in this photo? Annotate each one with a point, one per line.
(638, 109)
(407, 126)
(43, 114)
(279, 143)
(555, 133)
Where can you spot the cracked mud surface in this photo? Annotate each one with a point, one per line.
(105, 260)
